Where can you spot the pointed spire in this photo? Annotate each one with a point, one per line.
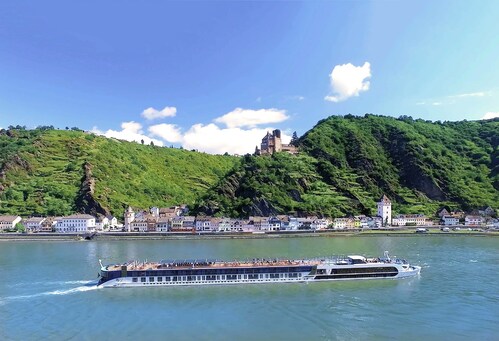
(384, 199)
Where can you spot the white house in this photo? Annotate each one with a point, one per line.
(343, 223)
(473, 220)
(138, 225)
(410, 219)
(163, 224)
(363, 221)
(101, 223)
(113, 221)
(274, 224)
(320, 224)
(76, 223)
(8, 222)
(230, 225)
(293, 224)
(34, 224)
(450, 220)
(203, 224)
(154, 211)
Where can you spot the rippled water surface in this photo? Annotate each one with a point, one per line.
(47, 292)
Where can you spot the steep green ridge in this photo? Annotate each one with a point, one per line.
(58, 172)
(344, 165)
(347, 162)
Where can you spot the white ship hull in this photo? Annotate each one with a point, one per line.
(403, 271)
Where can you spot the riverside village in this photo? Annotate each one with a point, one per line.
(177, 219)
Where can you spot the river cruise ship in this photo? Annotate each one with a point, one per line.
(212, 272)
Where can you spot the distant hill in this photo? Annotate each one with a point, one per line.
(57, 172)
(346, 163)
(344, 166)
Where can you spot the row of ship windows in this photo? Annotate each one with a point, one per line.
(215, 278)
(199, 272)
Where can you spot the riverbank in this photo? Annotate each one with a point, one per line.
(231, 235)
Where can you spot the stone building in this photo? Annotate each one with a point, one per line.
(272, 143)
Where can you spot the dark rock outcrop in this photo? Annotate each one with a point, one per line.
(85, 201)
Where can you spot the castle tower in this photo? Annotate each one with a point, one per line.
(385, 210)
(129, 217)
(277, 140)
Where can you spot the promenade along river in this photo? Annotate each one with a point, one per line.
(46, 292)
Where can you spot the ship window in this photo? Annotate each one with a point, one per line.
(253, 276)
(160, 279)
(167, 279)
(274, 275)
(174, 278)
(231, 277)
(142, 279)
(151, 279)
(134, 279)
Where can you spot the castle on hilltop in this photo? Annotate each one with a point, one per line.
(272, 143)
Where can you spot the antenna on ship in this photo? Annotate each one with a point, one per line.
(387, 256)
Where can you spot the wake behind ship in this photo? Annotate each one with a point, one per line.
(212, 272)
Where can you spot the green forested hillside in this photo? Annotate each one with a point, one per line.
(344, 165)
(58, 172)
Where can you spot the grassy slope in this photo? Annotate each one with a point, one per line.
(125, 173)
(348, 162)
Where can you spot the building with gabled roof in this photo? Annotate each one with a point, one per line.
(8, 222)
(76, 223)
(34, 224)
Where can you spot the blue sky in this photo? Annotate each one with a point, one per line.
(214, 76)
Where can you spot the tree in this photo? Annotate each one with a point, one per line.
(20, 228)
(142, 141)
(294, 139)
(152, 143)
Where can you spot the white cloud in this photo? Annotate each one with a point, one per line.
(295, 98)
(471, 94)
(240, 136)
(251, 118)
(130, 131)
(168, 132)
(436, 103)
(490, 115)
(215, 140)
(151, 113)
(348, 80)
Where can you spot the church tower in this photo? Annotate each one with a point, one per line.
(129, 217)
(385, 210)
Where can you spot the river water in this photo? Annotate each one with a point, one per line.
(47, 293)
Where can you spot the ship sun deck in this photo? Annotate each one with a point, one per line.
(200, 264)
(210, 264)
